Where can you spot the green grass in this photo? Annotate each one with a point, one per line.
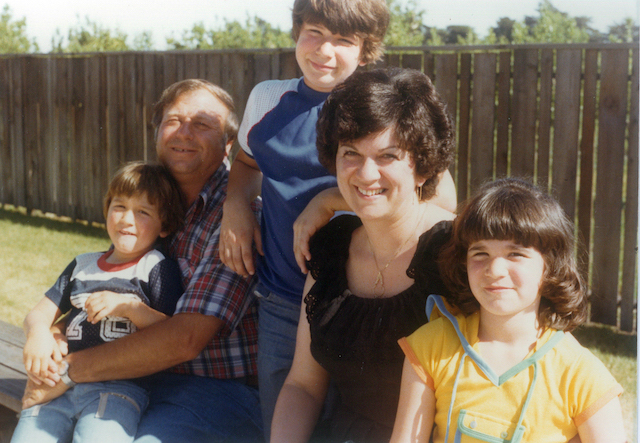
(618, 351)
(35, 249)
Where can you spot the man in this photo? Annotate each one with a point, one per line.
(210, 343)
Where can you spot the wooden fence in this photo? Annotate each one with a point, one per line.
(564, 115)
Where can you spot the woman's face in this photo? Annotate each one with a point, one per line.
(376, 178)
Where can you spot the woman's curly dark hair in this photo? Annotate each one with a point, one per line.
(404, 100)
(514, 209)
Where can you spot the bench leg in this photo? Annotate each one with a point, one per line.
(8, 422)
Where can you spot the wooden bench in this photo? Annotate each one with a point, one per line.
(13, 378)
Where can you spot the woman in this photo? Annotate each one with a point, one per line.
(387, 137)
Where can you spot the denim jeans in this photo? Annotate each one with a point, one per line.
(193, 409)
(88, 412)
(277, 328)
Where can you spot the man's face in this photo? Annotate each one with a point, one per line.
(190, 140)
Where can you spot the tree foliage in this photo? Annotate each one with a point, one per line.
(91, 36)
(13, 35)
(255, 33)
(406, 28)
(550, 26)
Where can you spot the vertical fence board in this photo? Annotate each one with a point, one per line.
(429, 67)
(32, 152)
(412, 61)
(17, 131)
(288, 66)
(446, 80)
(608, 200)
(192, 65)
(63, 126)
(262, 68)
(214, 66)
(149, 97)
(525, 80)
(482, 123)
(50, 150)
(6, 176)
(503, 113)
(545, 115)
(567, 123)
(464, 119)
(445, 72)
(630, 244)
(585, 197)
(94, 106)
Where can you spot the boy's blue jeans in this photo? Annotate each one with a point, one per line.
(88, 412)
(277, 329)
(189, 408)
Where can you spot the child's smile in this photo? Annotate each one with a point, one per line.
(133, 225)
(504, 276)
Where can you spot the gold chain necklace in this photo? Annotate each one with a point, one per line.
(379, 277)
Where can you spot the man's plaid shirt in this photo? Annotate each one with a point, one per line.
(211, 288)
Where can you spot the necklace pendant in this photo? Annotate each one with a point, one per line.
(378, 292)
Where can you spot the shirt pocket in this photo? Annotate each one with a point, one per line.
(475, 426)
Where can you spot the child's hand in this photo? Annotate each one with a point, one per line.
(40, 355)
(38, 394)
(102, 304)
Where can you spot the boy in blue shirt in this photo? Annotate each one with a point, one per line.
(279, 160)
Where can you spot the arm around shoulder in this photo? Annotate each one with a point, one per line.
(317, 214)
(446, 196)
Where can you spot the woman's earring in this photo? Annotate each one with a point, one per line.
(419, 192)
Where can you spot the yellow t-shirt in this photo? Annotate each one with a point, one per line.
(570, 386)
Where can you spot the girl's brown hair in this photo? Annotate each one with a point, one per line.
(514, 209)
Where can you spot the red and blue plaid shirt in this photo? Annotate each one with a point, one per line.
(211, 288)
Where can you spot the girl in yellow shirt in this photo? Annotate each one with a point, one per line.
(496, 362)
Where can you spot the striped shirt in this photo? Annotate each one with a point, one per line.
(211, 288)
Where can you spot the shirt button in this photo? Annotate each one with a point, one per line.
(473, 424)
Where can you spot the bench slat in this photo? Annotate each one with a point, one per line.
(13, 376)
(12, 334)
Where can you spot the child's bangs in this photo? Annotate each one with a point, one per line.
(505, 217)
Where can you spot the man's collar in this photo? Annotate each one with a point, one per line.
(214, 181)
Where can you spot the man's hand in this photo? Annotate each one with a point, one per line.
(238, 230)
(38, 394)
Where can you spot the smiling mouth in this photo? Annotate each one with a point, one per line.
(370, 192)
(321, 67)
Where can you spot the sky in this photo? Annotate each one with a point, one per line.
(170, 17)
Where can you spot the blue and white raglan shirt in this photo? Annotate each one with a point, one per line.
(279, 132)
(153, 278)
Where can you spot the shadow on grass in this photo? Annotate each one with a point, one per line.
(53, 224)
(608, 340)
